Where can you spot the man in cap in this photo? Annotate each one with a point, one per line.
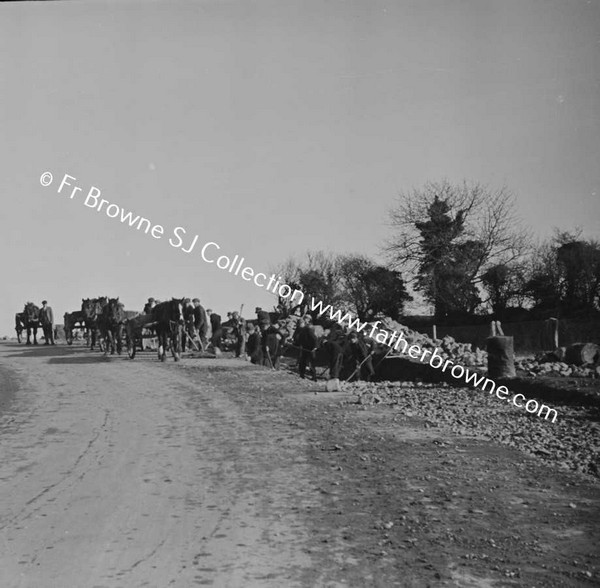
(334, 344)
(263, 319)
(200, 321)
(238, 325)
(189, 331)
(306, 339)
(149, 305)
(273, 339)
(253, 345)
(361, 356)
(47, 321)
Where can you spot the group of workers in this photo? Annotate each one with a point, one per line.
(261, 341)
(343, 348)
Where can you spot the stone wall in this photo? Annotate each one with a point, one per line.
(529, 337)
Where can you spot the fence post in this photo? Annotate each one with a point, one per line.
(434, 332)
(554, 326)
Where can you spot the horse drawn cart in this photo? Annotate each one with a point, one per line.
(137, 329)
(74, 324)
(165, 323)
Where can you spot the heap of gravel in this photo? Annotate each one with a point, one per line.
(572, 442)
(580, 360)
(540, 367)
(448, 347)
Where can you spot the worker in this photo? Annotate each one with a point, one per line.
(217, 331)
(253, 345)
(306, 339)
(149, 305)
(238, 326)
(47, 321)
(200, 321)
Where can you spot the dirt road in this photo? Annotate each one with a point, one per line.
(119, 473)
(123, 473)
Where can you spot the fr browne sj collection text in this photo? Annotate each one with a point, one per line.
(179, 238)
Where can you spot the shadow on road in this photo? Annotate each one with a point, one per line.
(43, 350)
(95, 358)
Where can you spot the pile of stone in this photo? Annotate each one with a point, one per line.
(572, 442)
(580, 360)
(448, 347)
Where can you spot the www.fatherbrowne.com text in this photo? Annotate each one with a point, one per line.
(395, 341)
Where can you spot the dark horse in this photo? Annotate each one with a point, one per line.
(168, 319)
(111, 325)
(31, 315)
(91, 309)
(19, 324)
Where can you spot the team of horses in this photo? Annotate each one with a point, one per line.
(107, 323)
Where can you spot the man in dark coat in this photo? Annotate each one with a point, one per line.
(306, 339)
(217, 331)
(254, 345)
(149, 305)
(263, 319)
(200, 321)
(361, 356)
(273, 339)
(189, 330)
(47, 322)
(334, 346)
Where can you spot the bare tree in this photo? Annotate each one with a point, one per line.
(351, 283)
(318, 276)
(488, 215)
(490, 231)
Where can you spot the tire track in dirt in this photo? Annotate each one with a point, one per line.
(123, 473)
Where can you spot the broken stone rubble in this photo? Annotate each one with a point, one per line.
(572, 442)
(584, 362)
(448, 347)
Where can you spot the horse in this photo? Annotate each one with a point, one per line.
(31, 315)
(92, 308)
(19, 324)
(111, 325)
(168, 317)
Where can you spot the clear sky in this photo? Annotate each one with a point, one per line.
(276, 127)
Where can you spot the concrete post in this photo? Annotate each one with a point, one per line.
(501, 357)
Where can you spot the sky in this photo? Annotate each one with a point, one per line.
(272, 128)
